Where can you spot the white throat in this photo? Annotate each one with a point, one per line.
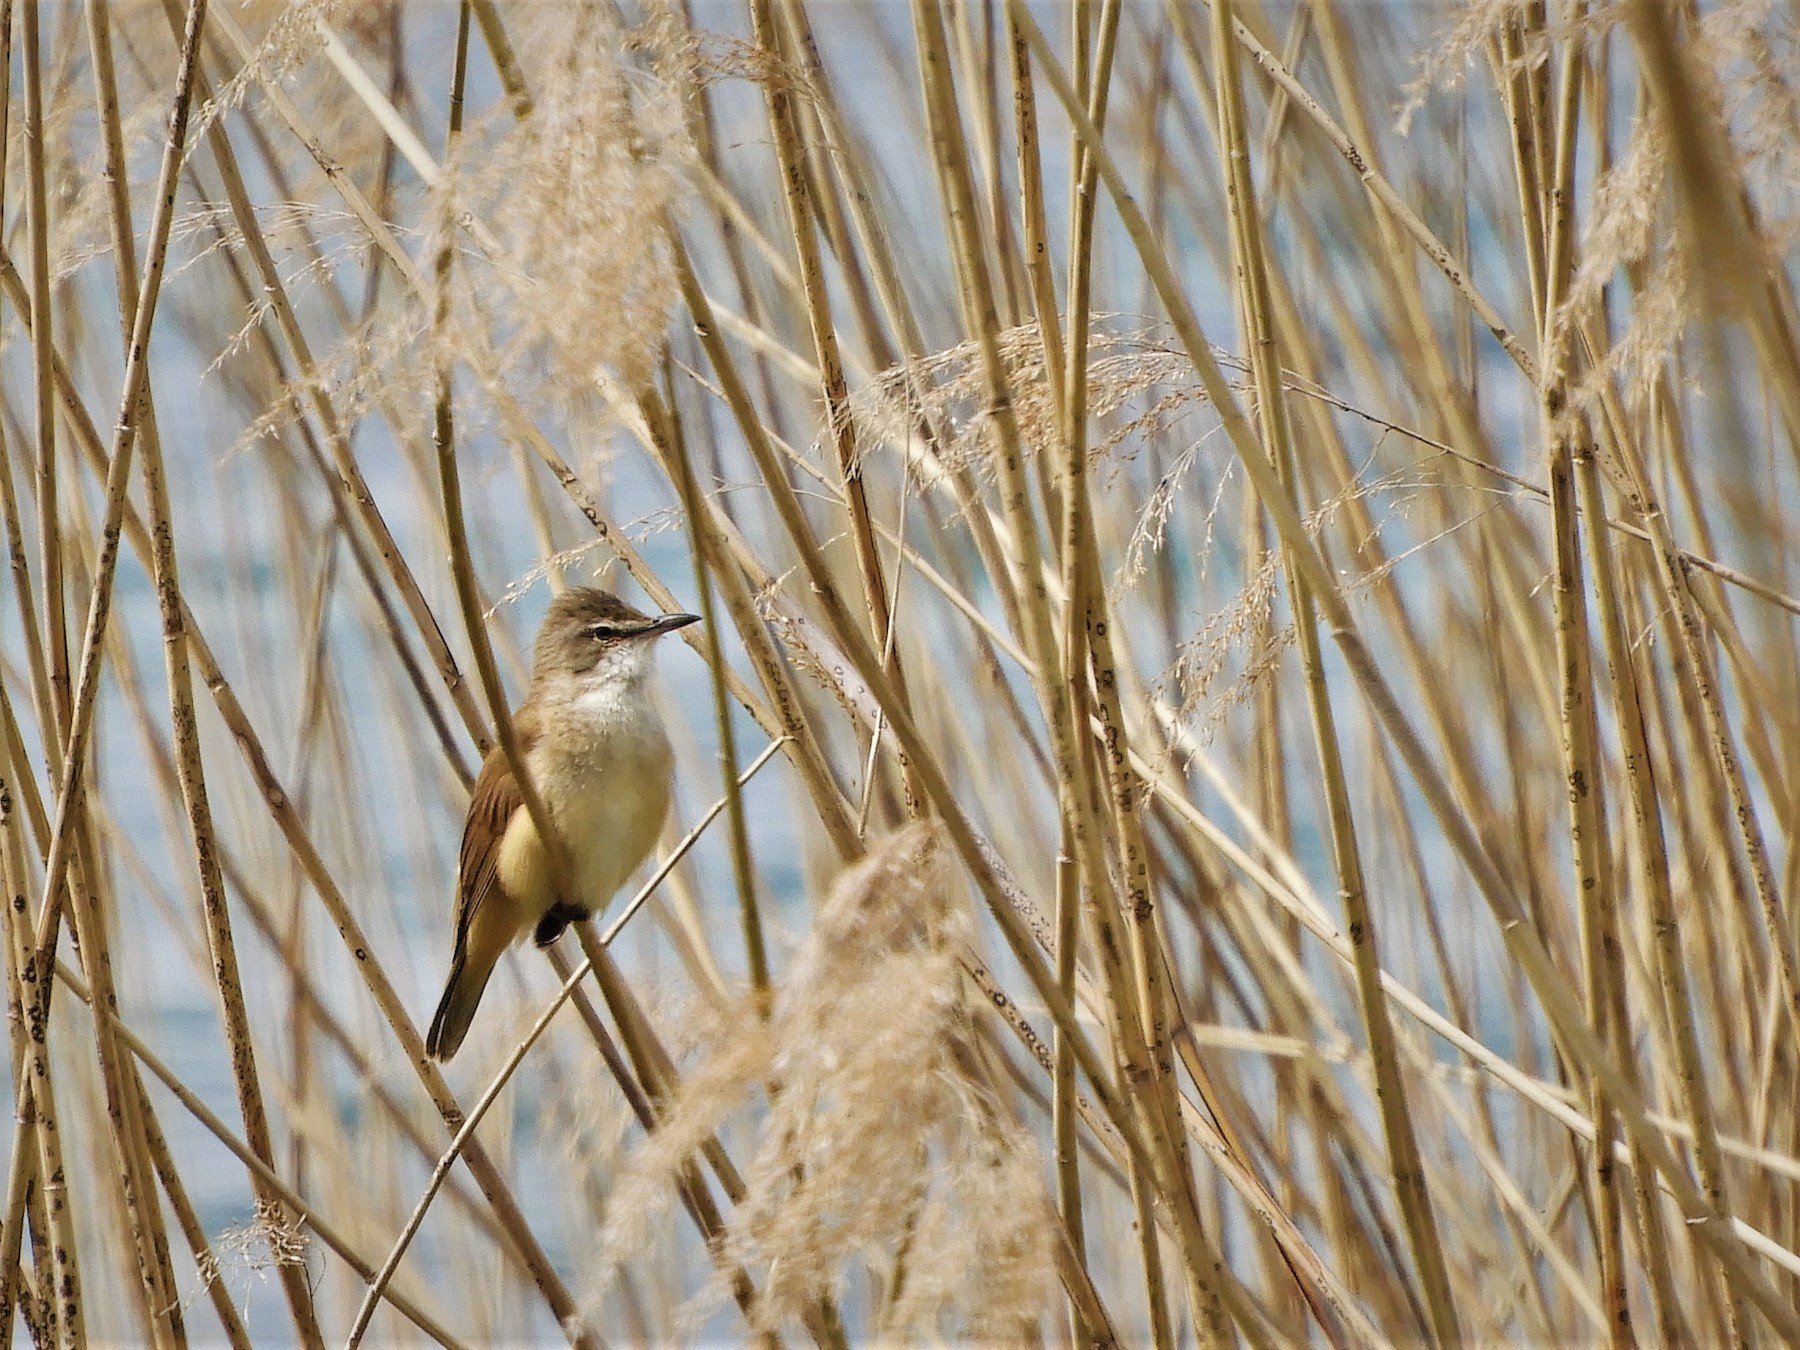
(616, 693)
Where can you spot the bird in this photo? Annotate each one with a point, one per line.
(596, 750)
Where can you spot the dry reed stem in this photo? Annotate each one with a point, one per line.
(1589, 839)
(1065, 1144)
(43, 1186)
(1391, 1092)
(839, 420)
(1077, 793)
(1692, 672)
(49, 525)
(1183, 1043)
(785, 716)
(1675, 1019)
(556, 1294)
(1084, 613)
(1691, 126)
(707, 560)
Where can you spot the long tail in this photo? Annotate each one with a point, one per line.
(462, 996)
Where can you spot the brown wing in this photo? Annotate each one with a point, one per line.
(488, 918)
(491, 807)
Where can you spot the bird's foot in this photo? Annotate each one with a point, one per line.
(559, 917)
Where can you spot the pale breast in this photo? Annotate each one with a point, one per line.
(608, 780)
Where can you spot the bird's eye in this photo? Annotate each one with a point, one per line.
(600, 632)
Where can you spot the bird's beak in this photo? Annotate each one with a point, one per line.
(668, 623)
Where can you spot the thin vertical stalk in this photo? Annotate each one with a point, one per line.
(1033, 228)
(1064, 1124)
(1069, 493)
(37, 219)
(43, 1182)
(19, 562)
(130, 1130)
(706, 562)
(1521, 85)
(199, 1246)
(506, 60)
(17, 558)
(1592, 860)
(1655, 882)
(34, 1301)
(145, 1236)
(1086, 587)
(1088, 647)
(841, 425)
(1707, 722)
(1404, 1159)
(1589, 845)
(189, 761)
